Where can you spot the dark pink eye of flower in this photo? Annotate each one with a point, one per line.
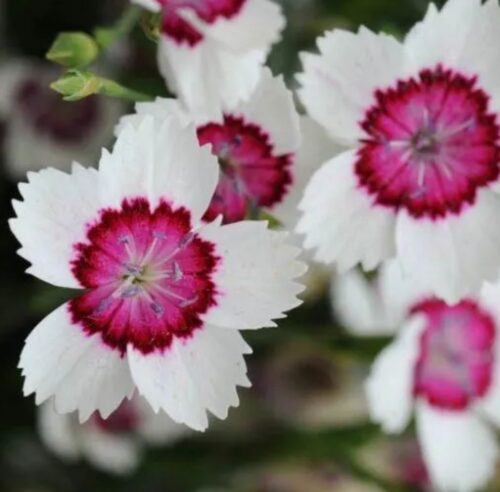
(250, 174)
(209, 11)
(149, 277)
(431, 143)
(48, 114)
(456, 354)
(124, 419)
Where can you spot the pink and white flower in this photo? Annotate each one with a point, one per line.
(114, 445)
(165, 293)
(256, 143)
(40, 128)
(443, 366)
(212, 51)
(420, 182)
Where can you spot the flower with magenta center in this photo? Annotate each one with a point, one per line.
(256, 143)
(164, 293)
(443, 366)
(419, 183)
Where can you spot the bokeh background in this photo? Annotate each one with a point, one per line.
(303, 427)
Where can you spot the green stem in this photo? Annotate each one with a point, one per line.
(105, 37)
(114, 89)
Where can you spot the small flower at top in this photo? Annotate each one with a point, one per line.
(420, 181)
(164, 293)
(443, 366)
(212, 51)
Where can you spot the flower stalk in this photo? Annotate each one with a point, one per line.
(75, 85)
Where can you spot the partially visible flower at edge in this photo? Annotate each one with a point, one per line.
(212, 52)
(420, 181)
(444, 366)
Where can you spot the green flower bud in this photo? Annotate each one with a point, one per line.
(77, 84)
(73, 50)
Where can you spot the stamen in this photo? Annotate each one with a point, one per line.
(129, 245)
(150, 251)
(130, 291)
(157, 308)
(189, 302)
(177, 272)
(135, 270)
(103, 305)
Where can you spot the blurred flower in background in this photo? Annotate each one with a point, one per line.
(115, 444)
(40, 129)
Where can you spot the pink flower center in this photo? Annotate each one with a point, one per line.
(124, 419)
(209, 11)
(45, 111)
(148, 277)
(431, 143)
(456, 354)
(251, 176)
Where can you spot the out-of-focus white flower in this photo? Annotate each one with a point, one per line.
(166, 294)
(444, 366)
(420, 181)
(212, 51)
(41, 129)
(304, 386)
(359, 304)
(114, 445)
(399, 460)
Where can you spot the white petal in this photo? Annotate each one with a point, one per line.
(271, 107)
(338, 85)
(390, 385)
(441, 36)
(153, 5)
(193, 376)
(208, 77)
(316, 148)
(255, 277)
(398, 291)
(57, 432)
(162, 161)
(256, 27)
(113, 453)
(52, 218)
(341, 221)
(459, 449)
(161, 109)
(453, 256)
(83, 374)
(359, 306)
(464, 35)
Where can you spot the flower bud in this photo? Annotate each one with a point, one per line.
(77, 84)
(73, 50)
